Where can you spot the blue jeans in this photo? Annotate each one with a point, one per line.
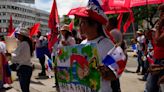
(140, 62)
(24, 75)
(152, 79)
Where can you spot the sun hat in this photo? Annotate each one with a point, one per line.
(23, 32)
(65, 27)
(140, 31)
(93, 11)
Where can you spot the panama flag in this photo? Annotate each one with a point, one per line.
(48, 64)
(17, 29)
(96, 11)
(116, 60)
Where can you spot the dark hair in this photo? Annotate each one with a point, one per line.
(30, 42)
(39, 34)
(67, 34)
(74, 33)
(77, 39)
(113, 22)
(92, 22)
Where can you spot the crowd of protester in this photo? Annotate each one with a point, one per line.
(149, 46)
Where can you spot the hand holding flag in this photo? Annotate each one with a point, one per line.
(116, 61)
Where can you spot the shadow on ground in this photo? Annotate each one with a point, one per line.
(129, 71)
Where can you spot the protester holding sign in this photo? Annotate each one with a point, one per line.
(92, 20)
(91, 25)
(90, 28)
(67, 38)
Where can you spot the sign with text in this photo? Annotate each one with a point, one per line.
(77, 68)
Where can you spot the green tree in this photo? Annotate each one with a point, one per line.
(147, 12)
(65, 20)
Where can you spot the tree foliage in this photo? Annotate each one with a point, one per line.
(147, 12)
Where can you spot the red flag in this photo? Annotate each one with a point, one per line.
(52, 23)
(48, 36)
(71, 25)
(129, 21)
(53, 18)
(34, 29)
(119, 19)
(10, 28)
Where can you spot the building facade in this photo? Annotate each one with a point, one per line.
(22, 14)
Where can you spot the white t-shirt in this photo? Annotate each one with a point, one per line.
(103, 45)
(141, 40)
(38, 42)
(70, 41)
(22, 54)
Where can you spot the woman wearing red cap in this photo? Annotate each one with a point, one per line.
(93, 30)
(91, 25)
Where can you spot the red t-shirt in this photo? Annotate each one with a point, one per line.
(159, 50)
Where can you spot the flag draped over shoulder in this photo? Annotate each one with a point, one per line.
(10, 28)
(52, 24)
(34, 29)
(116, 61)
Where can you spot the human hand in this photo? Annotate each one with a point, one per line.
(104, 71)
(155, 69)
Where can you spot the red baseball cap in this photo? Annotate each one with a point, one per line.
(86, 12)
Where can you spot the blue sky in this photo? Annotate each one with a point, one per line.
(63, 5)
